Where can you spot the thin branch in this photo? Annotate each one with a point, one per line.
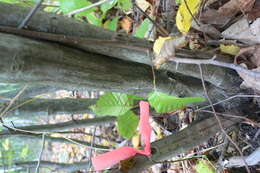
(188, 8)
(247, 120)
(230, 98)
(87, 7)
(40, 155)
(92, 143)
(30, 14)
(12, 101)
(216, 63)
(219, 121)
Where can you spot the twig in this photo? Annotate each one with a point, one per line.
(30, 14)
(252, 159)
(87, 7)
(12, 101)
(163, 31)
(216, 63)
(40, 155)
(186, 4)
(234, 116)
(92, 143)
(218, 120)
(230, 98)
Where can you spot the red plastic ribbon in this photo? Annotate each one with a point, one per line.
(111, 158)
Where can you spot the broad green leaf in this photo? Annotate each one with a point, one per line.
(114, 104)
(25, 152)
(71, 5)
(142, 29)
(111, 24)
(127, 124)
(93, 19)
(163, 103)
(125, 4)
(204, 166)
(108, 5)
(184, 14)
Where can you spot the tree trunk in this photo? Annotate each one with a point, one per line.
(36, 108)
(31, 62)
(110, 43)
(59, 127)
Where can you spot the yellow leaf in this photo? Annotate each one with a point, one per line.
(229, 49)
(184, 17)
(158, 44)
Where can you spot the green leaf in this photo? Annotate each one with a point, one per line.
(71, 5)
(142, 29)
(93, 19)
(127, 124)
(108, 5)
(114, 104)
(163, 103)
(125, 4)
(111, 24)
(204, 166)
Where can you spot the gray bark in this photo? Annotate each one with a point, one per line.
(63, 126)
(180, 142)
(124, 47)
(45, 107)
(31, 62)
(30, 91)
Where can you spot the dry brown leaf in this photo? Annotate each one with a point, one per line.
(255, 12)
(126, 24)
(226, 12)
(250, 59)
(143, 4)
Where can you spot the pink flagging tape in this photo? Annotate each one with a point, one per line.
(111, 158)
(145, 128)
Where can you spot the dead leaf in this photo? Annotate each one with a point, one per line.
(164, 48)
(225, 13)
(250, 59)
(207, 29)
(143, 4)
(255, 12)
(126, 24)
(243, 32)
